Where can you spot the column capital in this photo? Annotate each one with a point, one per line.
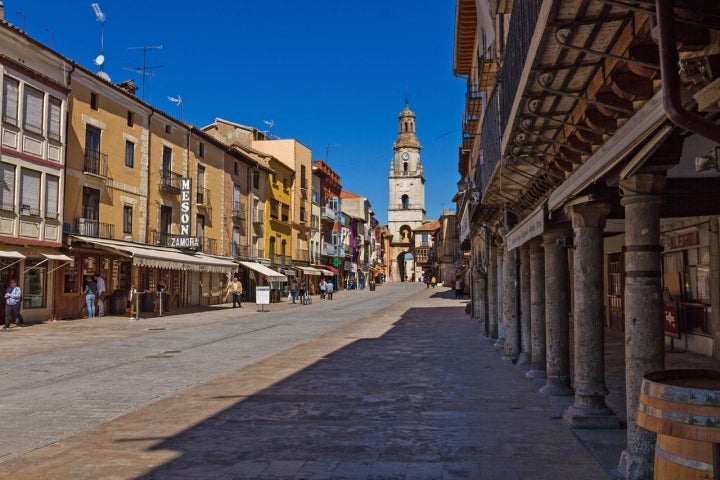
(590, 214)
(553, 232)
(643, 184)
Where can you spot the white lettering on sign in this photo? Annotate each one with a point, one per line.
(183, 242)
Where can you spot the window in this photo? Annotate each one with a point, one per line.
(52, 185)
(303, 180)
(200, 187)
(33, 110)
(127, 218)
(256, 179)
(168, 129)
(11, 92)
(405, 166)
(129, 154)
(130, 119)
(236, 242)
(92, 149)
(34, 284)
(285, 213)
(166, 159)
(93, 100)
(283, 246)
(236, 206)
(272, 249)
(200, 225)
(201, 150)
(424, 238)
(29, 192)
(165, 219)
(7, 188)
(405, 202)
(236, 169)
(53, 122)
(274, 206)
(332, 204)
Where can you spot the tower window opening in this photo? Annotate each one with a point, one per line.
(405, 167)
(405, 202)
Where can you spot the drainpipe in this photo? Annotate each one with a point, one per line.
(671, 80)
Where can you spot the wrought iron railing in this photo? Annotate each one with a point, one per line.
(96, 163)
(93, 228)
(170, 180)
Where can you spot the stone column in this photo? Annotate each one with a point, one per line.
(589, 409)
(500, 253)
(492, 291)
(525, 345)
(511, 321)
(557, 312)
(537, 310)
(644, 338)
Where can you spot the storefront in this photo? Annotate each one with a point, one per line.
(255, 275)
(33, 267)
(687, 288)
(185, 279)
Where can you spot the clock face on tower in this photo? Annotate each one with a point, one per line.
(405, 155)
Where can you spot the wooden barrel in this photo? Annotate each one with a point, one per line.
(683, 408)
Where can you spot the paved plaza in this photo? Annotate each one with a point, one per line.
(398, 383)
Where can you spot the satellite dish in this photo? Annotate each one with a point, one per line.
(103, 75)
(99, 60)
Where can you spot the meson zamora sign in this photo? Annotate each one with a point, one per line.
(184, 240)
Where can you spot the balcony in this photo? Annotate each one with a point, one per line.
(170, 181)
(94, 228)
(257, 252)
(96, 163)
(328, 214)
(238, 212)
(240, 250)
(158, 238)
(409, 206)
(259, 217)
(329, 249)
(302, 255)
(208, 245)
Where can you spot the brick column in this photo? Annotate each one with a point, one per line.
(644, 337)
(525, 345)
(511, 321)
(557, 312)
(589, 409)
(537, 310)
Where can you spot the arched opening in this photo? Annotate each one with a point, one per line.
(405, 202)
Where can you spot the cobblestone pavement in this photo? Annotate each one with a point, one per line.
(394, 384)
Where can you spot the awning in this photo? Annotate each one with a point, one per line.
(309, 270)
(325, 272)
(11, 254)
(332, 269)
(51, 254)
(271, 275)
(161, 257)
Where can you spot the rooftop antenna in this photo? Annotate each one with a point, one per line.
(178, 101)
(100, 59)
(144, 69)
(271, 124)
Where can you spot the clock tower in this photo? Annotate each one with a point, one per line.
(406, 201)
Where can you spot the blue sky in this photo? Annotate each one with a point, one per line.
(331, 74)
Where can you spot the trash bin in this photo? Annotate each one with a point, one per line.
(118, 303)
(372, 286)
(147, 301)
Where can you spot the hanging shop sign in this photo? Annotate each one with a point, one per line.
(184, 240)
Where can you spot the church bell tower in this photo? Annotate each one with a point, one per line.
(406, 199)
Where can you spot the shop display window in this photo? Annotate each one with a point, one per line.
(34, 283)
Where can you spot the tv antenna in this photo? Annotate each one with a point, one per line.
(100, 16)
(144, 69)
(179, 102)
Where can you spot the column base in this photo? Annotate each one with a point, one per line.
(557, 387)
(591, 418)
(509, 358)
(536, 374)
(500, 344)
(635, 467)
(524, 360)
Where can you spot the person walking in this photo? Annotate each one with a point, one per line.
(90, 292)
(13, 297)
(433, 281)
(323, 288)
(295, 291)
(237, 290)
(100, 297)
(459, 288)
(330, 287)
